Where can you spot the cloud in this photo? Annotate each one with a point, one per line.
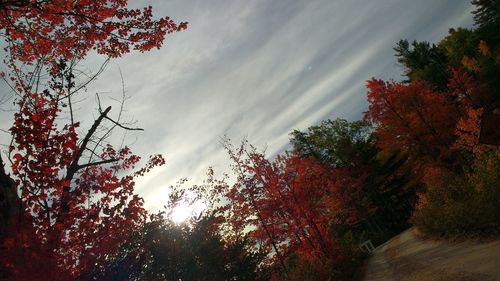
(263, 68)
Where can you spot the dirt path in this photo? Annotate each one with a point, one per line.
(407, 258)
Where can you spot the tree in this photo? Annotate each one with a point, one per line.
(163, 250)
(472, 53)
(423, 61)
(459, 43)
(336, 142)
(487, 12)
(487, 18)
(69, 201)
(289, 207)
(414, 118)
(421, 123)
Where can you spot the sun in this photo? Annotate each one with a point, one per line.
(184, 211)
(181, 213)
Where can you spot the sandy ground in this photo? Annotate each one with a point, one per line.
(408, 258)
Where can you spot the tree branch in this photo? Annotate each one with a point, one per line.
(122, 126)
(74, 167)
(9, 200)
(97, 163)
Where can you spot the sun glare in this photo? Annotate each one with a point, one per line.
(181, 213)
(184, 211)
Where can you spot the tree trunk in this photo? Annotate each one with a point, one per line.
(9, 201)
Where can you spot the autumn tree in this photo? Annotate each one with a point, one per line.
(69, 199)
(289, 207)
(413, 117)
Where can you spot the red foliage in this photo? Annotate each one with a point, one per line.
(72, 212)
(412, 117)
(348, 198)
(465, 90)
(289, 204)
(38, 29)
(66, 223)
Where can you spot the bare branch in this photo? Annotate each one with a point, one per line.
(116, 122)
(122, 126)
(91, 78)
(74, 167)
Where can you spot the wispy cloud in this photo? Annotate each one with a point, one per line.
(263, 68)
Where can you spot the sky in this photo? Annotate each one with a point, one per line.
(257, 69)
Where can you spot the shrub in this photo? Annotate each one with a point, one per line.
(468, 204)
(343, 265)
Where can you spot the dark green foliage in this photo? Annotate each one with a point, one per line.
(487, 18)
(166, 251)
(393, 191)
(487, 12)
(458, 43)
(337, 142)
(423, 61)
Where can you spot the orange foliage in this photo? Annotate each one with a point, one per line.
(468, 129)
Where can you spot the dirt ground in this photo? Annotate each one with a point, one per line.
(408, 258)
